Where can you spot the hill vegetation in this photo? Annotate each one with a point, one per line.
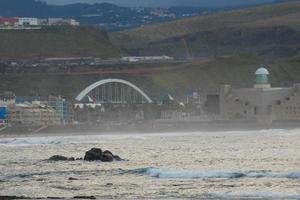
(55, 42)
(111, 17)
(234, 42)
(107, 16)
(263, 30)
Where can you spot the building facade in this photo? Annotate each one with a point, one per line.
(63, 108)
(3, 117)
(33, 23)
(262, 103)
(61, 21)
(25, 21)
(7, 99)
(12, 21)
(32, 115)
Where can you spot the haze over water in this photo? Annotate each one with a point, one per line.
(159, 166)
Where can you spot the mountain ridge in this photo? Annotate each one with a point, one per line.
(205, 31)
(107, 16)
(170, 3)
(235, 43)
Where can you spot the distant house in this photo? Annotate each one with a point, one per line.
(61, 21)
(27, 22)
(7, 99)
(12, 21)
(23, 21)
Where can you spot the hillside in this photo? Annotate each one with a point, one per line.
(256, 30)
(55, 42)
(111, 17)
(235, 43)
(106, 16)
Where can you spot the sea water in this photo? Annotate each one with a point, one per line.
(199, 165)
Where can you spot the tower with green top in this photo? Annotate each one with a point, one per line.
(262, 78)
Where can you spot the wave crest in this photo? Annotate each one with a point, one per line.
(194, 174)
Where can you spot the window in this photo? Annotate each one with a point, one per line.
(255, 110)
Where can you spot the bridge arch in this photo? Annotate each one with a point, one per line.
(87, 90)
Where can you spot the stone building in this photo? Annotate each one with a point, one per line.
(262, 103)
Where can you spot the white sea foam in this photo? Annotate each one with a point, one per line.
(94, 138)
(60, 140)
(256, 195)
(194, 174)
(80, 139)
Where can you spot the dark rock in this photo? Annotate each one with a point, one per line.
(107, 157)
(41, 179)
(84, 197)
(117, 158)
(93, 154)
(108, 152)
(72, 179)
(96, 154)
(60, 158)
(13, 197)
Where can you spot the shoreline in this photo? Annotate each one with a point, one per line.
(165, 129)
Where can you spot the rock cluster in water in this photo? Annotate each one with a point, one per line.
(60, 158)
(97, 154)
(94, 154)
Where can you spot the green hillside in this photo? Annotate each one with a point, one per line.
(264, 30)
(206, 78)
(235, 43)
(55, 42)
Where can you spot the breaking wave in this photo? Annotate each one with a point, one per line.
(63, 139)
(94, 138)
(193, 174)
(256, 195)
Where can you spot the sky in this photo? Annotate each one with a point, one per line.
(166, 3)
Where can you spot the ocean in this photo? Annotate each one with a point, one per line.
(261, 164)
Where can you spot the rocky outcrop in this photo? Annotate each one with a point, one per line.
(94, 154)
(60, 158)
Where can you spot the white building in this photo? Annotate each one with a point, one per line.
(60, 21)
(145, 58)
(72, 22)
(262, 103)
(23, 21)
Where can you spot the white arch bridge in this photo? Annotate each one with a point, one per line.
(114, 91)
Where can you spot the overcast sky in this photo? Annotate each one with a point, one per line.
(166, 3)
